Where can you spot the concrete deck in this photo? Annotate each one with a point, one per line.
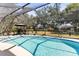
(14, 51)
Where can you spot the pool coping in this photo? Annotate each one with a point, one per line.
(73, 39)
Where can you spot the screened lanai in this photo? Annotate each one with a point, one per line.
(11, 11)
(38, 29)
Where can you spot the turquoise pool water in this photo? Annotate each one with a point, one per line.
(45, 46)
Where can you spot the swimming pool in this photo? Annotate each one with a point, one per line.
(44, 46)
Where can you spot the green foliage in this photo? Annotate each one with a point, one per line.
(72, 7)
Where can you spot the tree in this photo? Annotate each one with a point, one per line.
(71, 7)
(49, 14)
(71, 13)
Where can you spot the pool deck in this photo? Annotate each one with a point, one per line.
(48, 33)
(53, 34)
(6, 50)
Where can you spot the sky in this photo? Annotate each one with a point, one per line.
(63, 6)
(33, 5)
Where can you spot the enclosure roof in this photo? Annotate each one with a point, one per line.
(17, 8)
